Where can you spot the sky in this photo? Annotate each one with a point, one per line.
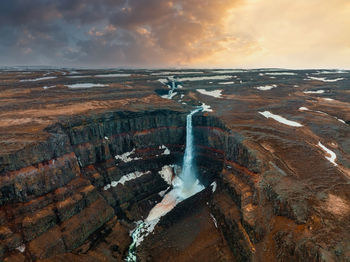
(178, 33)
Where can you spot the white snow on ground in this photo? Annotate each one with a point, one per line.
(206, 108)
(328, 99)
(167, 174)
(163, 81)
(280, 119)
(113, 75)
(314, 92)
(213, 185)
(176, 73)
(77, 76)
(214, 220)
(281, 74)
(198, 78)
(38, 79)
(330, 72)
(166, 150)
(323, 113)
(85, 85)
(226, 83)
(214, 93)
(341, 120)
(47, 87)
(265, 88)
(331, 156)
(126, 156)
(323, 79)
(126, 178)
(21, 248)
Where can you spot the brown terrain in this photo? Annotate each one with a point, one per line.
(283, 188)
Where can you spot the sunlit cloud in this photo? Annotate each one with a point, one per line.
(184, 33)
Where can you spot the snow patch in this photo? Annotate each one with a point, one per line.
(126, 156)
(113, 75)
(80, 76)
(328, 99)
(21, 248)
(214, 220)
(48, 87)
(324, 79)
(226, 83)
(126, 178)
(206, 108)
(214, 93)
(280, 119)
(213, 185)
(314, 92)
(341, 120)
(38, 79)
(281, 74)
(166, 150)
(167, 174)
(331, 156)
(265, 88)
(85, 85)
(330, 72)
(303, 108)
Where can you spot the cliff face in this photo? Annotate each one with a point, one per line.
(265, 213)
(69, 192)
(68, 204)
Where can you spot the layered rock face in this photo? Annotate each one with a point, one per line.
(262, 219)
(69, 195)
(79, 166)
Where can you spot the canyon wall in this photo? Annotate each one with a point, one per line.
(62, 195)
(257, 208)
(63, 199)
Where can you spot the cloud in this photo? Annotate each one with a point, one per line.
(159, 33)
(133, 32)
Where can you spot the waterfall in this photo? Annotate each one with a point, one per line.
(189, 174)
(184, 186)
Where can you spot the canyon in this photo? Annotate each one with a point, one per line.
(84, 159)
